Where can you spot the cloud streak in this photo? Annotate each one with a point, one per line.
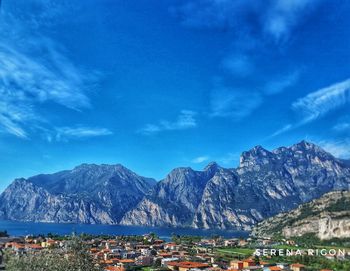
(320, 102)
(200, 159)
(233, 103)
(27, 82)
(35, 71)
(277, 18)
(340, 148)
(66, 133)
(282, 84)
(185, 120)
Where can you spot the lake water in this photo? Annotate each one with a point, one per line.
(30, 228)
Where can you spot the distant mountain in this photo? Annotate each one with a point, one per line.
(264, 184)
(87, 194)
(327, 217)
(174, 200)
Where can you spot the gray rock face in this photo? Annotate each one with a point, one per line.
(264, 184)
(173, 201)
(87, 194)
(327, 217)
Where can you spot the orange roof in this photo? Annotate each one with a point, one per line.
(34, 246)
(275, 268)
(249, 261)
(326, 270)
(126, 261)
(18, 245)
(297, 265)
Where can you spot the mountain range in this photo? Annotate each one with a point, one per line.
(264, 184)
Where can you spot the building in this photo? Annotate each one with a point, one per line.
(297, 267)
(236, 265)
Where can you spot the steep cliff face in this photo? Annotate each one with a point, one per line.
(264, 184)
(173, 201)
(86, 194)
(327, 217)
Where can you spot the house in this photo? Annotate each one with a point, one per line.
(248, 263)
(125, 263)
(236, 265)
(165, 261)
(297, 267)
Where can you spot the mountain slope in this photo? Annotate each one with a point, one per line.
(264, 184)
(86, 194)
(327, 217)
(172, 201)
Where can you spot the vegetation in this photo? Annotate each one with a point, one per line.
(311, 240)
(4, 234)
(342, 204)
(313, 263)
(74, 258)
(185, 239)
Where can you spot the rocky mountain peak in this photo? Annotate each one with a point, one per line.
(257, 155)
(212, 167)
(306, 146)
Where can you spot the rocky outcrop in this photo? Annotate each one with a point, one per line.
(327, 217)
(87, 194)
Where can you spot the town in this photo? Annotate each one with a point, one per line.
(182, 253)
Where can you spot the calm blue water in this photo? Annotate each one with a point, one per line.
(28, 228)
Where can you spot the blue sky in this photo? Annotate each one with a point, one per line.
(160, 84)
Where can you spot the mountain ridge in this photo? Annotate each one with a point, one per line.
(264, 184)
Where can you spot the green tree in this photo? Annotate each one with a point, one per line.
(75, 257)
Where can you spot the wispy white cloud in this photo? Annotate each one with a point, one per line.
(340, 148)
(240, 65)
(282, 130)
(228, 102)
(320, 102)
(341, 127)
(26, 82)
(66, 133)
(35, 71)
(281, 84)
(277, 18)
(283, 15)
(200, 159)
(185, 120)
